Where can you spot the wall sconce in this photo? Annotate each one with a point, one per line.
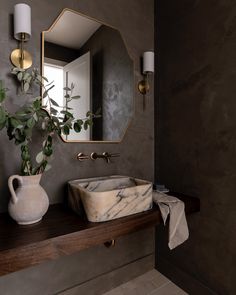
(22, 32)
(148, 68)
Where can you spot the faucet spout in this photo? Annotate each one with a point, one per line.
(106, 156)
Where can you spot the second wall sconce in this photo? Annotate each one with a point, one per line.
(147, 69)
(22, 32)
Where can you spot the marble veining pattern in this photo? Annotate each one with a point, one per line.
(110, 197)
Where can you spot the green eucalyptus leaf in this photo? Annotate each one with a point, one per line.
(54, 102)
(25, 155)
(2, 92)
(85, 125)
(31, 122)
(28, 109)
(56, 121)
(39, 157)
(47, 151)
(37, 104)
(28, 132)
(29, 80)
(21, 113)
(77, 127)
(35, 116)
(90, 122)
(53, 111)
(75, 97)
(49, 139)
(44, 78)
(14, 122)
(17, 142)
(19, 136)
(45, 94)
(50, 88)
(26, 76)
(2, 125)
(48, 167)
(2, 115)
(20, 76)
(88, 114)
(14, 71)
(2, 95)
(66, 89)
(67, 113)
(80, 122)
(26, 86)
(66, 130)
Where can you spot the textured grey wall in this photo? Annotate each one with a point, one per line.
(112, 79)
(197, 134)
(135, 21)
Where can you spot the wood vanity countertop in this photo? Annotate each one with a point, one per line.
(62, 232)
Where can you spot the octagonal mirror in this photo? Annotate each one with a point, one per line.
(90, 55)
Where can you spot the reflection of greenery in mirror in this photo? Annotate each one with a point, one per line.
(93, 58)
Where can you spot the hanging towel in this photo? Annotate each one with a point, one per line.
(178, 227)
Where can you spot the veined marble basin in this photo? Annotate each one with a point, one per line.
(107, 198)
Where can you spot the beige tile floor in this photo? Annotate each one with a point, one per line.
(150, 283)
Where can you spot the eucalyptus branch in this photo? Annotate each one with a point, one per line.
(21, 124)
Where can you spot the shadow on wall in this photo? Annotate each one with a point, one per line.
(97, 92)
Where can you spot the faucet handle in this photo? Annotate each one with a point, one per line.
(81, 157)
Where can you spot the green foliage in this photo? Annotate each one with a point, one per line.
(2, 92)
(51, 118)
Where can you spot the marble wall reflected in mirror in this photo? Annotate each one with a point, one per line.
(93, 56)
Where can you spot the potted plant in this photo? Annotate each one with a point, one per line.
(30, 202)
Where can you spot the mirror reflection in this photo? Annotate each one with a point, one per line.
(92, 58)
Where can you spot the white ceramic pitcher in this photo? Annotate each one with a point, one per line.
(29, 202)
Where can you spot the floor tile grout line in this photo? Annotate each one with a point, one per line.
(102, 274)
(158, 288)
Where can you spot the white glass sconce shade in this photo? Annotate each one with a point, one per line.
(22, 21)
(148, 62)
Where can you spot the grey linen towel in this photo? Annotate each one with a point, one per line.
(178, 227)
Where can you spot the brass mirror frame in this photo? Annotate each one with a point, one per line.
(130, 56)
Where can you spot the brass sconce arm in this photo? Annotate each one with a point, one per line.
(143, 85)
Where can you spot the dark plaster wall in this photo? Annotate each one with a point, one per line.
(196, 143)
(112, 80)
(134, 19)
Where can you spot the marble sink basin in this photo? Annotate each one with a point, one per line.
(106, 198)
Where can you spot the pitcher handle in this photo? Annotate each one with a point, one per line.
(11, 188)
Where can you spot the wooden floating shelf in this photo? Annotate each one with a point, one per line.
(62, 232)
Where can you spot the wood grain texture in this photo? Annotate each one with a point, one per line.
(61, 232)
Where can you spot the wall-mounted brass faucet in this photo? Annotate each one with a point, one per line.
(94, 156)
(105, 155)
